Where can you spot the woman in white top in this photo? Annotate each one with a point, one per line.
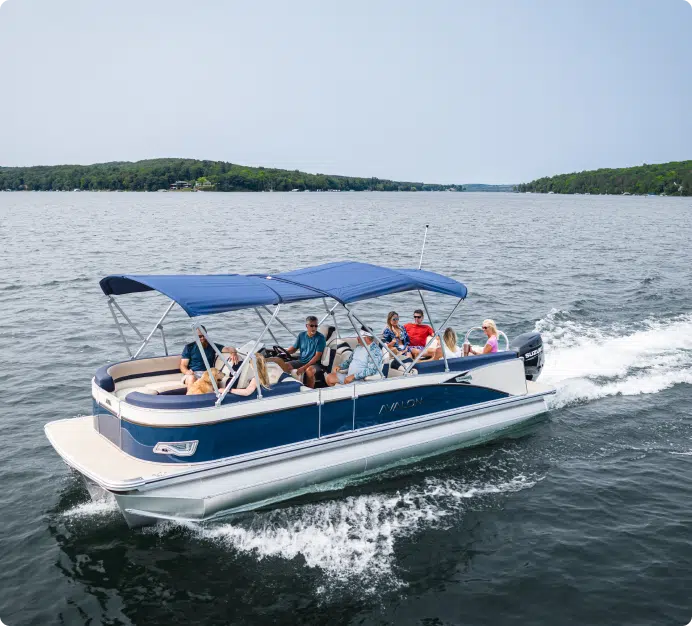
(452, 350)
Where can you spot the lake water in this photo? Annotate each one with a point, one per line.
(584, 520)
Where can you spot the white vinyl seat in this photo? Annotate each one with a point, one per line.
(328, 332)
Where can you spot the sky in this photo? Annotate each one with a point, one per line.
(446, 91)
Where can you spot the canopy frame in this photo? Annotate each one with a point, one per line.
(259, 285)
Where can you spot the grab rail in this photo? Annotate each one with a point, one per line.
(499, 332)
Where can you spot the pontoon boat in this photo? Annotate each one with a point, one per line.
(166, 455)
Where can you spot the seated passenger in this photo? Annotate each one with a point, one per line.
(311, 344)
(418, 334)
(192, 364)
(452, 349)
(366, 360)
(395, 336)
(491, 345)
(263, 377)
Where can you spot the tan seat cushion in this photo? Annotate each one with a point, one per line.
(122, 393)
(165, 386)
(275, 372)
(144, 366)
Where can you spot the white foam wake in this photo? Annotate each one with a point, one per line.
(353, 539)
(585, 361)
(93, 508)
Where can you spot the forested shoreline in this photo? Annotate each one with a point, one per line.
(158, 174)
(670, 179)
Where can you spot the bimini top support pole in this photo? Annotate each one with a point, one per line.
(365, 345)
(153, 330)
(118, 325)
(442, 342)
(127, 319)
(278, 319)
(224, 393)
(198, 328)
(427, 345)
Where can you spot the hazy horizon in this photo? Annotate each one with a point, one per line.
(464, 92)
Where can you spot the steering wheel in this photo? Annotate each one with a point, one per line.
(282, 352)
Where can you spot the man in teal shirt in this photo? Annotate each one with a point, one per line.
(311, 344)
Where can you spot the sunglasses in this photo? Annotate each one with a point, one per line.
(417, 317)
(485, 327)
(395, 319)
(311, 325)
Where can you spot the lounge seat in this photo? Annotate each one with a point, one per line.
(122, 393)
(166, 386)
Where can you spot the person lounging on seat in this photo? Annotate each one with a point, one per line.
(395, 336)
(418, 336)
(366, 360)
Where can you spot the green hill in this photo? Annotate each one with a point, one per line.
(671, 179)
(155, 174)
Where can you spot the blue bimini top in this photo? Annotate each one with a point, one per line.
(344, 281)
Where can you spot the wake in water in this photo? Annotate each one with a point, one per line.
(585, 361)
(353, 539)
(104, 505)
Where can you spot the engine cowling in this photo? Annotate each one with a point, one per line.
(529, 346)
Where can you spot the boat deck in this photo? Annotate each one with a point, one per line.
(99, 459)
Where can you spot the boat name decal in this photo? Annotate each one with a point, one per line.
(403, 405)
(533, 353)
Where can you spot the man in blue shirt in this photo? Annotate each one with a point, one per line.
(311, 344)
(191, 362)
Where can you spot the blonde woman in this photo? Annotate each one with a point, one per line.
(452, 350)
(263, 377)
(490, 330)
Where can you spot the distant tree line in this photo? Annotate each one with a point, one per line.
(671, 179)
(155, 174)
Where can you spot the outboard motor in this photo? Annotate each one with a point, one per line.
(529, 346)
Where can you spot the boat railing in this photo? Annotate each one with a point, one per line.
(499, 332)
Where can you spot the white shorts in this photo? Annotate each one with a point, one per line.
(197, 375)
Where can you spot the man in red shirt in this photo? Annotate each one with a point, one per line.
(418, 333)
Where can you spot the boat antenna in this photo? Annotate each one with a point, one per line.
(425, 236)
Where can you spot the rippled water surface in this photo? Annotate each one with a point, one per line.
(583, 519)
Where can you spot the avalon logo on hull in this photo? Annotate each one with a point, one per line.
(399, 406)
(464, 378)
(176, 448)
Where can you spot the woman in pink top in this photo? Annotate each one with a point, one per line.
(490, 330)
